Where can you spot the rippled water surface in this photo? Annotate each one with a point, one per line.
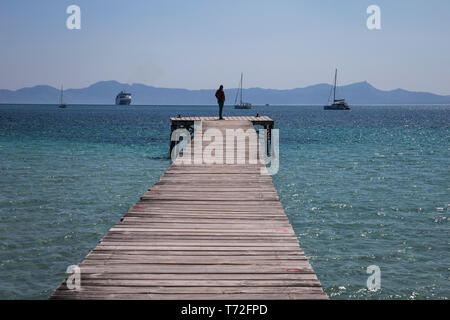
(365, 187)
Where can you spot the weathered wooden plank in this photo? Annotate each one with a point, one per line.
(190, 296)
(232, 225)
(194, 235)
(199, 276)
(194, 248)
(200, 231)
(203, 269)
(201, 286)
(208, 234)
(117, 256)
(243, 253)
(192, 241)
(179, 218)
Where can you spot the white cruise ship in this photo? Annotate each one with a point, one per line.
(123, 98)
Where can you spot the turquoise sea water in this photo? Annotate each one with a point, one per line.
(365, 187)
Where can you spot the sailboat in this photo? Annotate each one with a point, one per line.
(338, 104)
(61, 103)
(241, 105)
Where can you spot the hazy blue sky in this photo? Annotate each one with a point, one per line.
(202, 43)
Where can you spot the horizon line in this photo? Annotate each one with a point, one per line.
(231, 88)
(230, 105)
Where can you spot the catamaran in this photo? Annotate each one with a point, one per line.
(241, 105)
(338, 104)
(61, 103)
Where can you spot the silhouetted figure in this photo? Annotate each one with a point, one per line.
(220, 95)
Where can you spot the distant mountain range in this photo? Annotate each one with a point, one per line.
(104, 92)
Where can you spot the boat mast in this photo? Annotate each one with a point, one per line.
(242, 75)
(335, 78)
(62, 90)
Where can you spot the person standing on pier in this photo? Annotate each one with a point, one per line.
(220, 95)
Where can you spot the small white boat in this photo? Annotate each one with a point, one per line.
(338, 104)
(241, 105)
(61, 103)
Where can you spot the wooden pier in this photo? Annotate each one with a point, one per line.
(188, 124)
(204, 231)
